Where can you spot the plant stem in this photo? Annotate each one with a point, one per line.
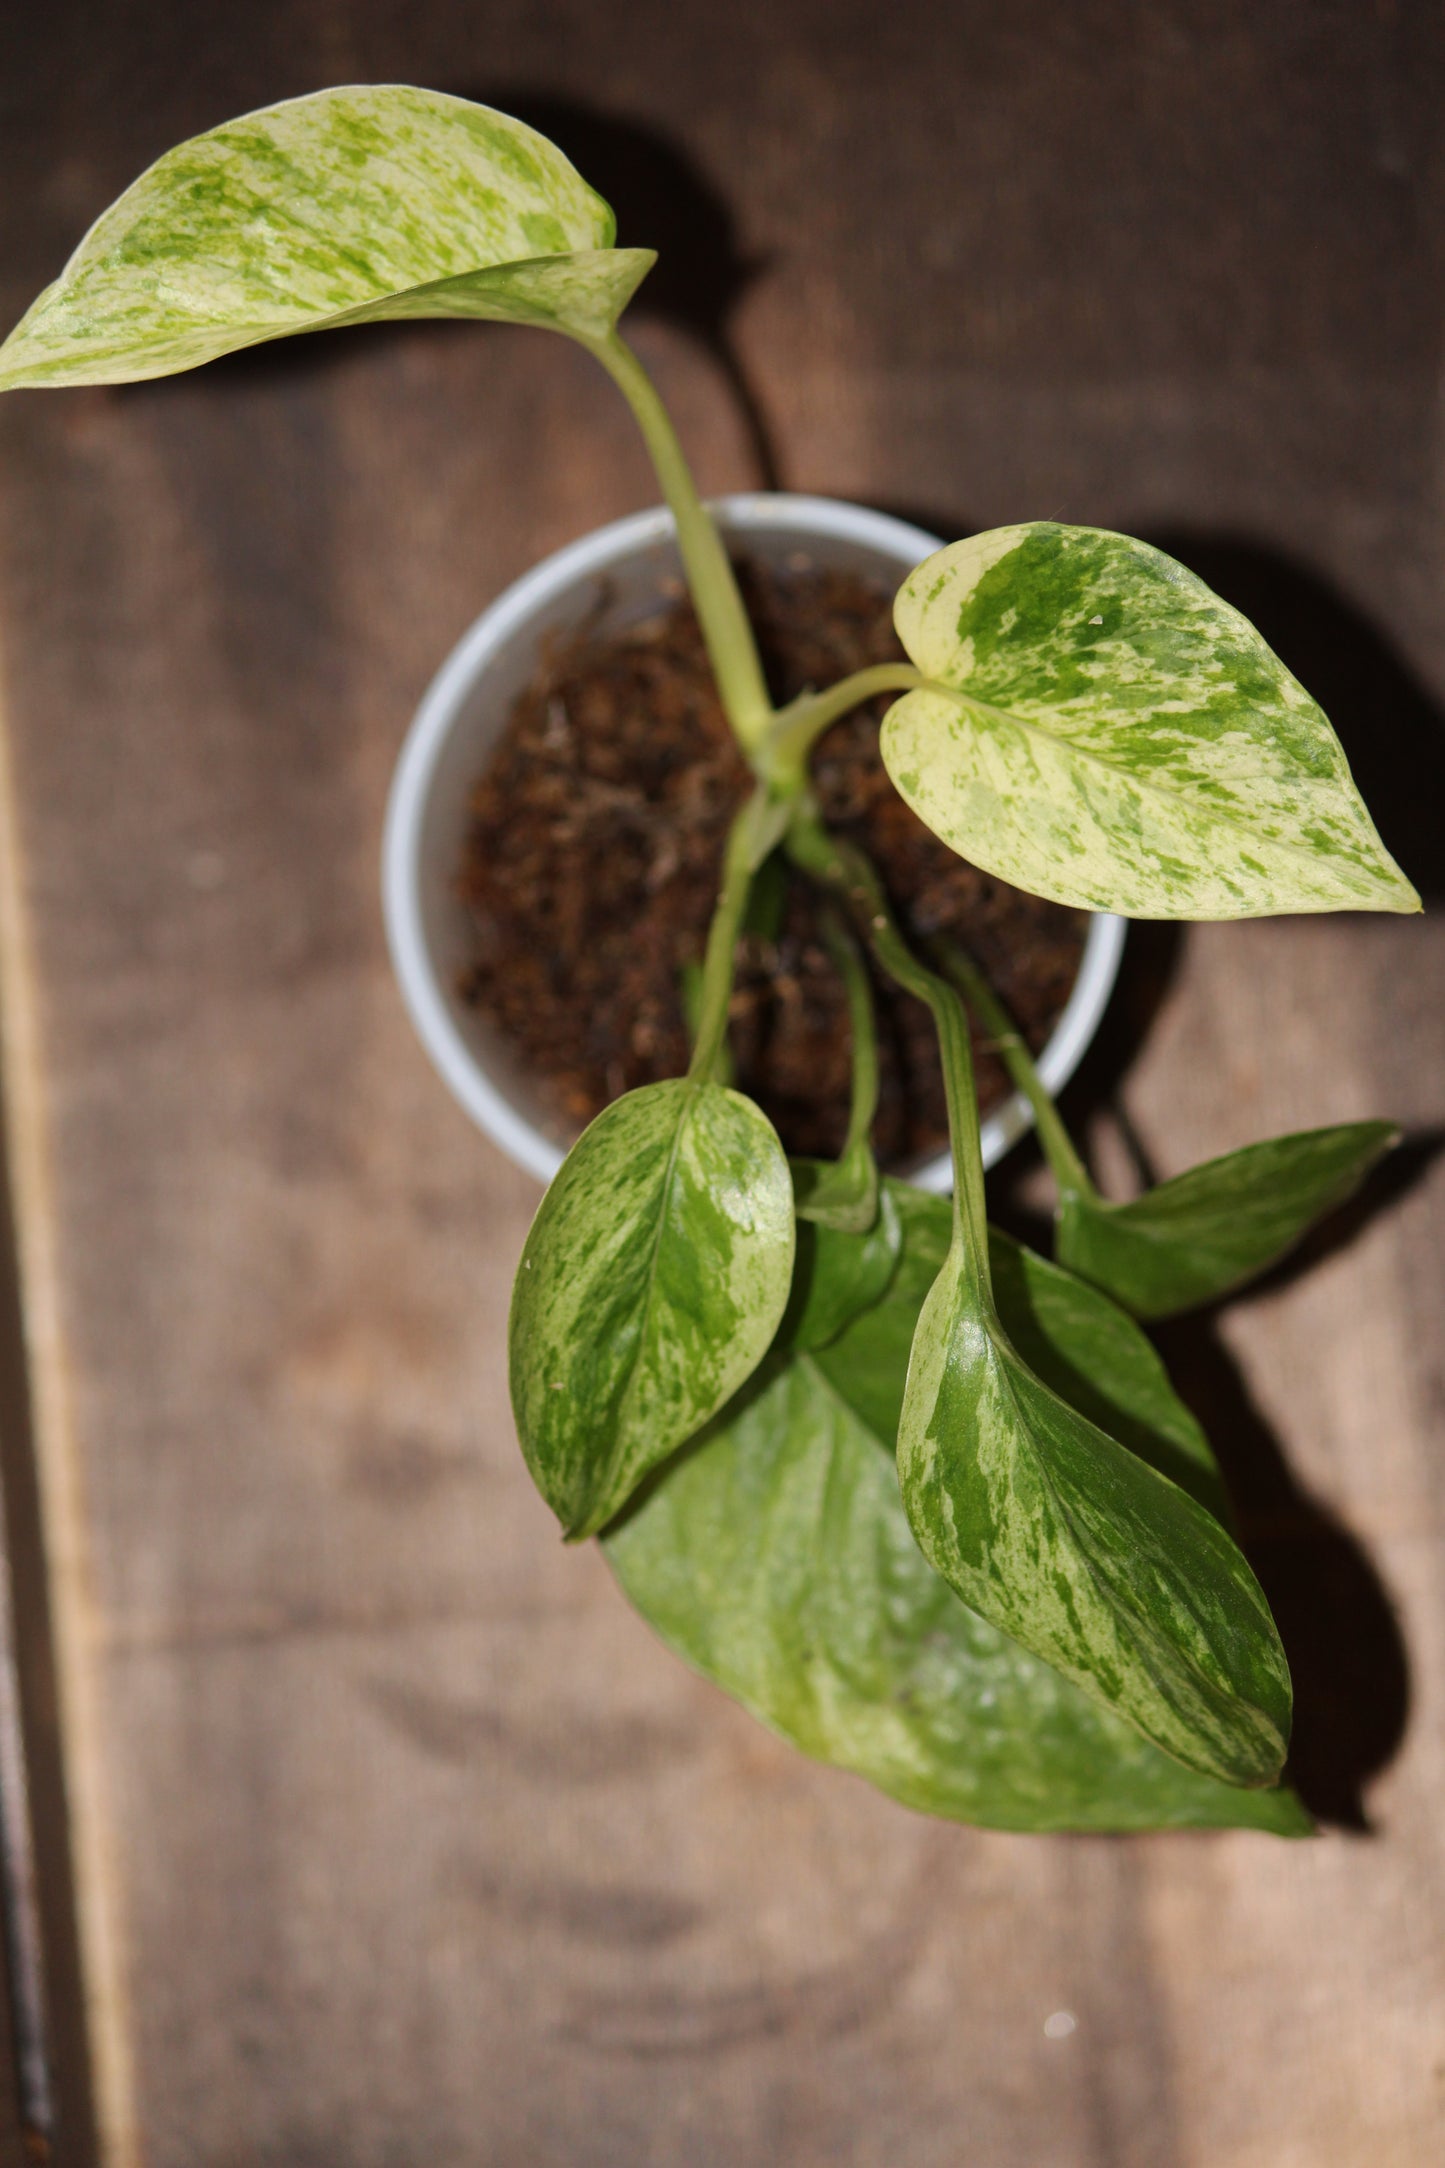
(845, 870)
(728, 635)
(1068, 1168)
(845, 953)
(722, 1068)
(757, 829)
(796, 728)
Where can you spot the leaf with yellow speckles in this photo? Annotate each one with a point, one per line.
(1081, 1550)
(1100, 728)
(349, 206)
(774, 1554)
(654, 1277)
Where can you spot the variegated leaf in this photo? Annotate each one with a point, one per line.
(1193, 1239)
(776, 1557)
(654, 1276)
(348, 206)
(1053, 1530)
(1114, 736)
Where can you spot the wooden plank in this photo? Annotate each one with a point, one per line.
(405, 1841)
(57, 2015)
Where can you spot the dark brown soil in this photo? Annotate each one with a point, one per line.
(592, 865)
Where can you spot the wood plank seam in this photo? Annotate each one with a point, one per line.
(73, 1606)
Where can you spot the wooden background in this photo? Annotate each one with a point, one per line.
(395, 1838)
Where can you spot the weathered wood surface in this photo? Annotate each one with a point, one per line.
(401, 1839)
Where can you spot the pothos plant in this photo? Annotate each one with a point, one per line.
(923, 1500)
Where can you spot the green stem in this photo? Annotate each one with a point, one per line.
(728, 635)
(756, 831)
(845, 870)
(797, 728)
(722, 1068)
(1068, 1168)
(847, 957)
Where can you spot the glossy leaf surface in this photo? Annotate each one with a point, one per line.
(1075, 1546)
(1192, 1239)
(1118, 738)
(775, 1556)
(836, 1275)
(348, 206)
(654, 1277)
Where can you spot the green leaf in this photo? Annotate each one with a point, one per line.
(775, 1556)
(654, 1277)
(841, 1193)
(1074, 1545)
(1115, 737)
(1193, 1239)
(348, 206)
(837, 1274)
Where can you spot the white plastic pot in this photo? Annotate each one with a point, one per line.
(622, 571)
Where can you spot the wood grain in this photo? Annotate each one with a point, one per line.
(421, 1848)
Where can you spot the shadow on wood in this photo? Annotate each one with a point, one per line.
(663, 200)
(1346, 1652)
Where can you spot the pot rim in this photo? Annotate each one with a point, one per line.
(459, 1065)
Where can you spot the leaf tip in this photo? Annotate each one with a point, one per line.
(1396, 891)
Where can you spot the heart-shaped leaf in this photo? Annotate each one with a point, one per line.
(837, 1274)
(1192, 1239)
(1114, 736)
(348, 206)
(655, 1275)
(1068, 1541)
(775, 1556)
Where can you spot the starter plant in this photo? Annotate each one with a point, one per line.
(923, 1500)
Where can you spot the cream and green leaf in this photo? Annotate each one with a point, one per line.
(1100, 728)
(1193, 1239)
(776, 1557)
(653, 1279)
(1072, 1544)
(347, 206)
